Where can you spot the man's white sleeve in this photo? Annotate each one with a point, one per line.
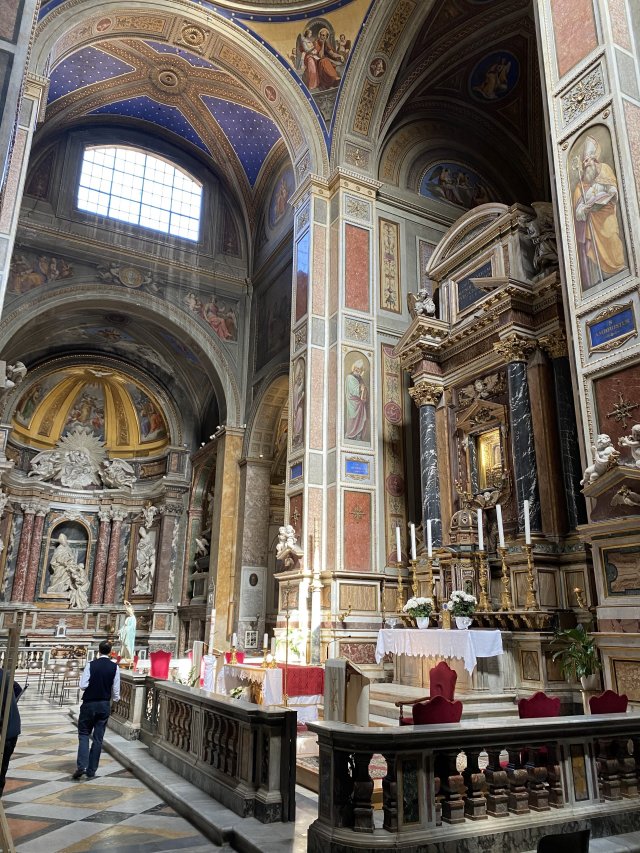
(84, 678)
(115, 687)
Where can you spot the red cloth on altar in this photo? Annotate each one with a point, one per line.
(303, 680)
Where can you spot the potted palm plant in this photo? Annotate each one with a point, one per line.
(578, 656)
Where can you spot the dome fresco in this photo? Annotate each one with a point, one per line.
(117, 409)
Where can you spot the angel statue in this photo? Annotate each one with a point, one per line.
(605, 456)
(633, 442)
(117, 474)
(202, 547)
(421, 304)
(488, 498)
(287, 549)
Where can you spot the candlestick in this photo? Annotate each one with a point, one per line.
(431, 584)
(429, 542)
(414, 576)
(413, 541)
(505, 596)
(399, 594)
(383, 606)
(532, 600)
(527, 523)
(484, 603)
(480, 532)
(500, 527)
(398, 545)
(265, 642)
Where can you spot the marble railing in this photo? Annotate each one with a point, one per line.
(127, 712)
(242, 754)
(515, 780)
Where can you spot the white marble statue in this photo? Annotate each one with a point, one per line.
(127, 634)
(605, 456)
(202, 547)
(287, 549)
(45, 465)
(632, 441)
(117, 474)
(78, 587)
(63, 564)
(4, 499)
(421, 304)
(76, 471)
(149, 512)
(145, 563)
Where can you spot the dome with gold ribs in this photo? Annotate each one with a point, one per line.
(115, 407)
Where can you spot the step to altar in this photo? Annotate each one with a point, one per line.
(476, 706)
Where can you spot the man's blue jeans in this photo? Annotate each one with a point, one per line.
(92, 719)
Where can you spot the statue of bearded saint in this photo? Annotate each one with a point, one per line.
(145, 563)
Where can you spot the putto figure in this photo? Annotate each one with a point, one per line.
(605, 456)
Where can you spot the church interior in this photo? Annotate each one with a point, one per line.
(311, 308)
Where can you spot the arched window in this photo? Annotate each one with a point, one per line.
(132, 186)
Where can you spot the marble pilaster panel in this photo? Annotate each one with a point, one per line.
(319, 269)
(357, 267)
(357, 531)
(22, 561)
(166, 552)
(34, 554)
(429, 479)
(118, 516)
(100, 564)
(523, 444)
(575, 32)
(317, 391)
(569, 447)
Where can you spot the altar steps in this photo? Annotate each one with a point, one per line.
(476, 706)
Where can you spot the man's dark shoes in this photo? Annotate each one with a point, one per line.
(78, 774)
(90, 775)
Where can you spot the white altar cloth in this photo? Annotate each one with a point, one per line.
(270, 680)
(439, 643)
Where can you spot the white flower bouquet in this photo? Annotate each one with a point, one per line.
(462, 603)
(418, 606)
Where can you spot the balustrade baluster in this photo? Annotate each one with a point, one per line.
(517, 776)
(609, 769)
(232, 748)
(452, 786)
(498, 782)
(439, 797)
(554, 777)
(628, 774)
(475, 804)
(343, 790)
(362, 793)
(390, 794)
(537, 774)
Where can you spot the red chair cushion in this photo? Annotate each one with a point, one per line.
(609, 702)
(160, 664)
(442, 681)
(406, 721)
(239, 657)
(437, 710)
(539, 705)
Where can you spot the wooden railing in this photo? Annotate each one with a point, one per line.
(462, 781)
(242, 754)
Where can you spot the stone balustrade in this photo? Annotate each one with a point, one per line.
(127, 712)
(242, 754)
(495, 785)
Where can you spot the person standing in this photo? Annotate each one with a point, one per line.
(13, 732)
(100, 681)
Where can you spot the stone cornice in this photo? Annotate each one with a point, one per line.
(555, 345)
(424, 336)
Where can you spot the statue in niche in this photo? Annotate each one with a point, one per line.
(117, 474)
(632, 441)
(149, 512)
(68, 577)
(127, 634)
(145, 563)
(605, 457)
(542, 234)
(287, 549)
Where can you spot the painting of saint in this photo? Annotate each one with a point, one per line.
(356, 398)
(87, 411)
(298, 401)
(456, 184)
(494, 77)
(282, 192)
(150, 418)
(596, 202)
(26, 274)
(319, 61)
(219, 315)
(29, 403)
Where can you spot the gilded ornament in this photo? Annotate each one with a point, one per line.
(192, 35)
(622, 410)
(555, 345)
(515, 348)
(356, 156)
(357, 209)
(366, 104)
(426, 393)
(585, 92)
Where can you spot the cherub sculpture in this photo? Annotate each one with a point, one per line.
(605, 456)
(421, 304)
(632, 441)
(287, 549)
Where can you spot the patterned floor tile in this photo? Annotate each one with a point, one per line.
(27, 828)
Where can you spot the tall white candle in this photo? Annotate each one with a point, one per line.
(398, 545)
(273, 646)
(234, 640)
(500, 527)
(480, 532)
(429, 540)
(413, 541)
(527, 523)
(265, 642)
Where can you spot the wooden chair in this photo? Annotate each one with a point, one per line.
(539, 705)
(568, 842)
(609, 702)
(442, 682)
(436, 710)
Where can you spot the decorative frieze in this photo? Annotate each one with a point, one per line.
(585, 92)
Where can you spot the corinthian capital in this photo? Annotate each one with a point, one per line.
(554, 345)
(425, 393)
(515, 347)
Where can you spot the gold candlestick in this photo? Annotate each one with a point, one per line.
(414, 576)
(399, 592)
(505, 596)
(383, 606)
(234, 659)
(484, 603)
(532, 599)
(431, 584)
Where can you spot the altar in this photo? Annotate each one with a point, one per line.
(417, 651)
(265, 685)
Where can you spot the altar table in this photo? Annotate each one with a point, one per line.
(267, 681)
(437, 642)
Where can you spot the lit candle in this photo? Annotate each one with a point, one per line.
(413, 541)
(527, 524)
(265, 642)
(500, 528)
(234, 640)
(480, 532)
(398, 545)
(273, 646)
(429, 542)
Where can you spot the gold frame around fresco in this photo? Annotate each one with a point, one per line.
(603, 552)
(610, 311)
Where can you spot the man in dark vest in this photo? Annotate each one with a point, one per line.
(13, 732)
(101, 684)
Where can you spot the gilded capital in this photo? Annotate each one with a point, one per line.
(554, 345)
(515, 347)
(425, 393)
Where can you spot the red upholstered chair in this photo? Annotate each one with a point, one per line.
(539, 705)
(442, 682)
(609, 702)
(437, 710)
(160, 664)
(239, 657)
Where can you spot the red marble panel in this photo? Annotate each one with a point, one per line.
(295, 515)
(314, 513)
(316, 421)
(632, 117)
(333, 271)
(331, 529)
(332, 392)
(9, 23)
(620, 24)
(302, 276)
(319, 271)
(357, 531)
(615, 394)
(356, 268)
(359, 652)
(574, 27)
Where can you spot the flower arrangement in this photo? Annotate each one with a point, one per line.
(462, 603)
(418, 606)
(236, 692)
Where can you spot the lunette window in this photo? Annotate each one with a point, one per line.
(132, 186)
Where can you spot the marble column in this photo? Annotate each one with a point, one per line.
(425, 395)
(516, 350)
(100, 564)
(117, 516)
(556, 348)
(24, 549)
(34, 554)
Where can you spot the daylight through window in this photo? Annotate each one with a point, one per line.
(132, 186)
